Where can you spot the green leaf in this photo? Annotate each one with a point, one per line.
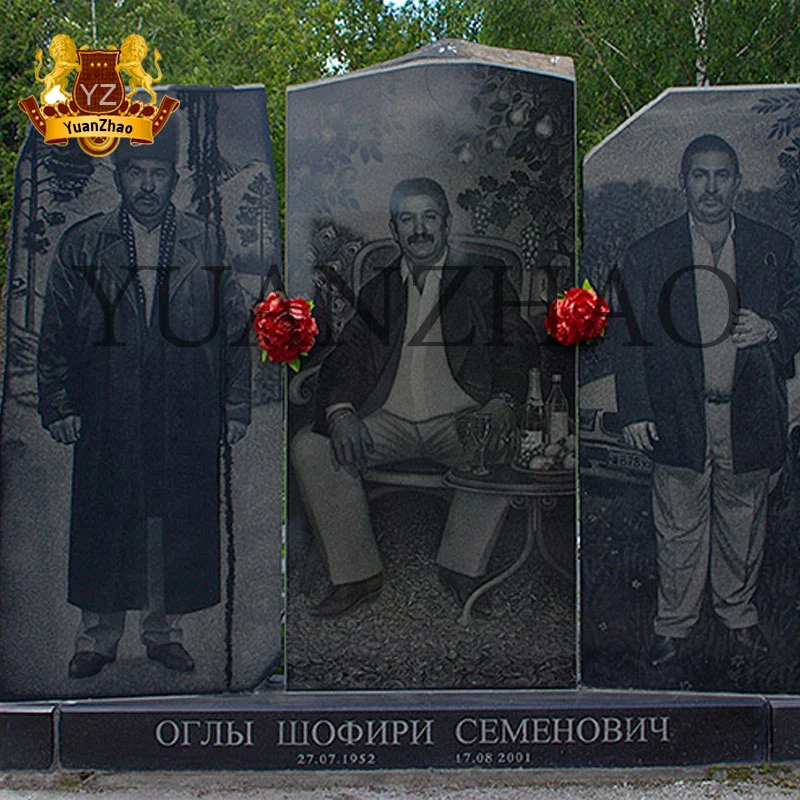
(294, 365)
(310, 305)
(587, 285)
(263, 356)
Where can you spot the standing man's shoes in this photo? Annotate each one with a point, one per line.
(750, 641)
(172, 655)
(348, 597)
(663, 650)
(87, 663)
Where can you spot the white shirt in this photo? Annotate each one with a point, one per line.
(714, 309)
(424, 386)
(147, 245)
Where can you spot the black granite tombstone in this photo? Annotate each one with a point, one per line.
(430, 215)
(122, 488)
(689, 447)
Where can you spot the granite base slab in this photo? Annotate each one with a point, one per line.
(378, 731)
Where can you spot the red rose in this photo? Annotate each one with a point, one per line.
(576, 317)
(285, 328)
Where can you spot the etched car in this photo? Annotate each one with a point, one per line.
(603, 452)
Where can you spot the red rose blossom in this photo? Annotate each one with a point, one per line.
(285, 328)
(578, 316)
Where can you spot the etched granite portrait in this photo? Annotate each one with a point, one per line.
(689, 452)
(428, 224)
(131, 412)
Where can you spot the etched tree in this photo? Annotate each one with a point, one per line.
(254, 215)
(787, 105)
(55, 175)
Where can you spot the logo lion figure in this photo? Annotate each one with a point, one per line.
(132, 53)
(62, 50)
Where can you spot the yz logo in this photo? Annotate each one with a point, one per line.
(103, 101)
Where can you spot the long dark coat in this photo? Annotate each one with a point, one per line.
(151, 404)
(663, 381)
(489, 347)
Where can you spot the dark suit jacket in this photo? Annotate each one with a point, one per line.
(663, 380)
(489, 346)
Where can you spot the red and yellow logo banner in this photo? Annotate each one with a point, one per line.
(97, 111)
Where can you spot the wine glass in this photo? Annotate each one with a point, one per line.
(481, 429)
(468, 444)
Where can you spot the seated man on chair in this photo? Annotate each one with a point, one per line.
(435, 335)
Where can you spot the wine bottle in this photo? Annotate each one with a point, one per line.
(557, 413)
(533, 420)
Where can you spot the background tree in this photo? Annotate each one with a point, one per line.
(626, 52)
(26, 27)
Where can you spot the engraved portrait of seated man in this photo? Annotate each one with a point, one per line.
(436, 336)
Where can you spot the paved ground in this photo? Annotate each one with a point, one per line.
(737, 783)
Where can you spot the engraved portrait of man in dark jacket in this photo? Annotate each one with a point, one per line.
(704, 393)
(138, 372)
(437, 333)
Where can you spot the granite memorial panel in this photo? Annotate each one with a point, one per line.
(784, 717)
(689, 408)
(430, 216)
(27, 736)
(444, 730)
(141, 448)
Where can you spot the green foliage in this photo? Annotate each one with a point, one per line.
(25, 29)
(626, 52)
(216, 42)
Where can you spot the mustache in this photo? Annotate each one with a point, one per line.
(420, 237)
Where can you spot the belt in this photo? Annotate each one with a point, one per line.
(716, 398)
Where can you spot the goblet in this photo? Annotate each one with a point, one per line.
(481, 429)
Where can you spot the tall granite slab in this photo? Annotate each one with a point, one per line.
(225, 563)
(461, 158)
(689, 408)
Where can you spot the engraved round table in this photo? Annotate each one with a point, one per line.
(528, 490)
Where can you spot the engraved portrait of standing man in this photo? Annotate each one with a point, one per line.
(137, 373)
(703, 392)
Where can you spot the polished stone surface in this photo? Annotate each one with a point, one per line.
(495, 130)
(463, 730)
(631, 188)
(226, 173)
